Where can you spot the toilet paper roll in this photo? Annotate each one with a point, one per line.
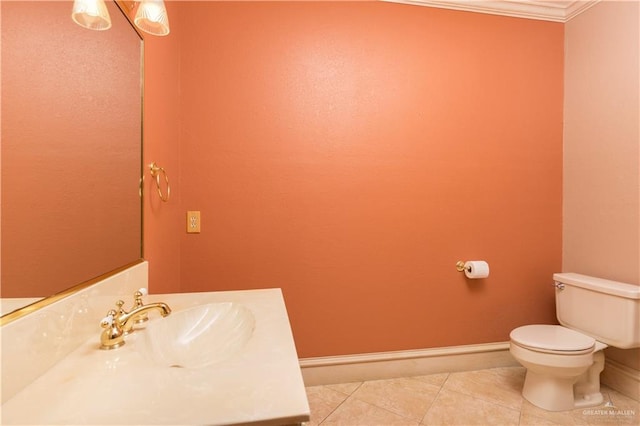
(476, 269)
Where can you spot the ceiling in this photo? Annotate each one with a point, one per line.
(546, 10)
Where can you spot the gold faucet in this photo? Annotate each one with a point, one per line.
(118, 324)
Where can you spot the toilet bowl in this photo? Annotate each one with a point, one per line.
(563, 366)
(564, 361)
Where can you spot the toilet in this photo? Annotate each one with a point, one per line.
(564, 361)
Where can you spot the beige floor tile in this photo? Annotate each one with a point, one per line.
(594, 416)
(322, 402)
(622, 402)
(526, 419)
(345, 388)
(433, 379)
(481, 397)
(628, 410)
(532, 415)
(629, 418)
(617, 409)
(454, 408)
(498, 385)
(406, 397)
(516, 373)
(354, 412)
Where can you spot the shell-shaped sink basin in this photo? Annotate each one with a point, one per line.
(197, 337)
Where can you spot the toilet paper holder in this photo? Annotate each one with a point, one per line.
(460, 266)
(473, 269)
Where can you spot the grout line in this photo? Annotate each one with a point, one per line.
(435, 398)
(345, 393)
(490, 401)
(385, 409)
(339, 405)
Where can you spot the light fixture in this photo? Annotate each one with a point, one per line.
(91, 14)
(152, 17)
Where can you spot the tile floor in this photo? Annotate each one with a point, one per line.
(483, 397)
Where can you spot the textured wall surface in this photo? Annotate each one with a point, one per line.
(351, 153)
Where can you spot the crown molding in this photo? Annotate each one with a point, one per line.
(555, 11)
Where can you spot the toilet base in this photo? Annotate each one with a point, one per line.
(552, 394)
(565, 393)
(556, 394)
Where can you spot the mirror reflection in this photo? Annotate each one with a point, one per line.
(71, 148)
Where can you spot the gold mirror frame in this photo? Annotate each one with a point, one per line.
(125, 8)
(25, 310)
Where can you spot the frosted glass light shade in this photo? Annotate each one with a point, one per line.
(152, 17)
(91, 14)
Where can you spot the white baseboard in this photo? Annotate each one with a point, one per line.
(388, 365)
(621, 378)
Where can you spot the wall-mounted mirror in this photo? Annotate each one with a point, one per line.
(71, 149)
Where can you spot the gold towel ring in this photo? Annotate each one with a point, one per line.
(155, 172)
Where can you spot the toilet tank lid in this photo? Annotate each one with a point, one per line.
(629, 291)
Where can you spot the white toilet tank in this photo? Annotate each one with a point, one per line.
(608, 311)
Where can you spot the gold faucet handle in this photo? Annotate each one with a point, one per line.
(120, 304)
(109, 320)
(137, 297)
(112, 336)
(137, 303)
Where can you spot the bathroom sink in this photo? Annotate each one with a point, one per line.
(197, 337)
(236, 348)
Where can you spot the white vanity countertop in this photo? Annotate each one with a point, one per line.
(261, 385)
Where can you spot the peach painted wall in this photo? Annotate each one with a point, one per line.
(601, 228)
(163, 222)
(351, 153)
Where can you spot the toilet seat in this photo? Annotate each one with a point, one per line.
(553, 339)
